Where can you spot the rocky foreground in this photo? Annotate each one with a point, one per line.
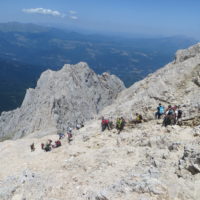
(144, 162)
(148, 162)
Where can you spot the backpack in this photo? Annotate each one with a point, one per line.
(103, 121)
(171, 112)
(161, 110)
(58, 143)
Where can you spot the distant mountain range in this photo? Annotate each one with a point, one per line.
(28, 49)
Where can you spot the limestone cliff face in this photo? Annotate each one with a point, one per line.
(74, 93)
(178, 83)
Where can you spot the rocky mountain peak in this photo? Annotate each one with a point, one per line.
(61, 99)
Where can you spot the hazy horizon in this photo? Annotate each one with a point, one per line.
(126, 18)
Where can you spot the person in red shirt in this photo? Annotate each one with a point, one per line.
(104, 124)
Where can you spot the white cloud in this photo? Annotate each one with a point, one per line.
(72, 12)
(73, 17)
(43, 11)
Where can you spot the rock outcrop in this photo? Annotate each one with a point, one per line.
(62, 98)
(178, 83)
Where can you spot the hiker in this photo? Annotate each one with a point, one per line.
(78, 126)
(32, 146)
(123, 122)
(170, 110)
(120, 124)
(170, 116)
(69, 129)
(111, 125)
(48, 145)
(160, 111)
(57, 144)
(61, 135)
(178, 113)
(69, 136)
(138, 118)
(104, 124)
(42, 146)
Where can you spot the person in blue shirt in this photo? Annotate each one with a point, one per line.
(160, 111)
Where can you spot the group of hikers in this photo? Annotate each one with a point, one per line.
(171, 116)
(120, 123)
(108, 124)
(48, 146)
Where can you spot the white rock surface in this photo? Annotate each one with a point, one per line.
(61, 97)
(139, 163)
(148, 162)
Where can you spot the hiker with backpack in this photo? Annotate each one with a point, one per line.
(32, 146)
(178, 113)
(47, 146)
(61, 135)
(42, 146)
(170, 116)
(160, 111)
(69, 135)
(79, 125)
(120, 123)
(104, 124)
(138, 119)
(57, 144)
(111, 125)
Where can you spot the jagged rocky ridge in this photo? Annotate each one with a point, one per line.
(61, 98)
(178, 83)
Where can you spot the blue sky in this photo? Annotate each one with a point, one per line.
(148, 17)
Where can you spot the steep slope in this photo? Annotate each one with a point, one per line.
(147, 162)
(178, 83)
(62, 98)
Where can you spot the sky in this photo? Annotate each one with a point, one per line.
(131, 17)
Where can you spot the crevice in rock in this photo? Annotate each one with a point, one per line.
(101, 198)
(193, 170)
(196, 82)
(192, 121)
(161, 100)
